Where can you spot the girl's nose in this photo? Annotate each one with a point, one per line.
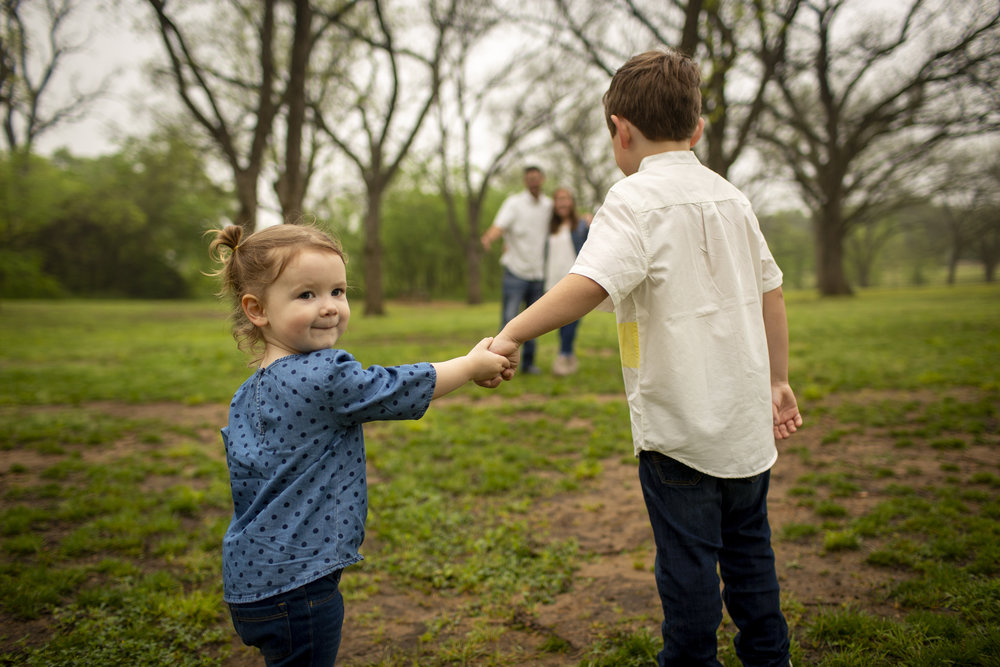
(329, 305)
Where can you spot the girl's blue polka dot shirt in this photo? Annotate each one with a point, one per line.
(296, 456)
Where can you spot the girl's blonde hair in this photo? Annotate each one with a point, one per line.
(250, 265)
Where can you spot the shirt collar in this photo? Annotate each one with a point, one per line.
(669, 157)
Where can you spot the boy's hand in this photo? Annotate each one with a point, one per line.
(508, 349)
(487, 366)
(785, 411)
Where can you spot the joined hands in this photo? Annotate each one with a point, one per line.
(508, 348)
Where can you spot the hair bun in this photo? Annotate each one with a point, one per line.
(230, 236)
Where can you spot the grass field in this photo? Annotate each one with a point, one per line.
(506, 527)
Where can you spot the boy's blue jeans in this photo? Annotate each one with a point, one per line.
(700, 521)
(300, 628)
(515, 291)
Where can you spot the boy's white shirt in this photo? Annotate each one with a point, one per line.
(681, 255)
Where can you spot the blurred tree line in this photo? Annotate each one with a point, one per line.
(132, 225)
(400, 124)
(129, 224)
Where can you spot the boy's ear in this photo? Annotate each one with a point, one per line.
(254, 309)
(623, 131)
(698, 132)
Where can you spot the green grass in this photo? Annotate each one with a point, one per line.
(110, 521)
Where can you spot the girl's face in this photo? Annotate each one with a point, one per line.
(562, 201)
(306, 308)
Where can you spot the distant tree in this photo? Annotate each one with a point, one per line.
(29, 198)
(986, 240)
(36, 39)
(864, 98)
(739, 45)
(179, 202)
(964, 183)
(483, 123)
(383, 107)
(241, 67)
(864, 245)
(581, 152)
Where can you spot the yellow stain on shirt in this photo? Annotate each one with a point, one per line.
(628, 343)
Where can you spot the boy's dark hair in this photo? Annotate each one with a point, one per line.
(659, 93)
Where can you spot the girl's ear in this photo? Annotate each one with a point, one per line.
(254, 309)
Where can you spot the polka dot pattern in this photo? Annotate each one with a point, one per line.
(296, 454)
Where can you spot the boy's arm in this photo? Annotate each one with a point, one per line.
(784, 408)
(479, 364)
(570, 299)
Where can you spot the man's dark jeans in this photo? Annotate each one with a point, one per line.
(515, 291)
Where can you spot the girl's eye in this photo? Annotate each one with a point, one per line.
(306, 295)
(338, 292)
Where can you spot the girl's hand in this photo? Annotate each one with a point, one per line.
(486, 365)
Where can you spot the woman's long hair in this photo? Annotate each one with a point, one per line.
(556, 221)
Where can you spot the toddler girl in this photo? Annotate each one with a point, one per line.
(294, 442)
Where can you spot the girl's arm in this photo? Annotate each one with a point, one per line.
(479, 364)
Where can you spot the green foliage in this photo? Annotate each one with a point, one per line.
(128, 224)
(790, 239)
(423, 257)
(21, 276)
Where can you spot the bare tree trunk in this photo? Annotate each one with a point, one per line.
(32, 59)
(830, 278)
(291, 185)
(473, 256)
(952, 265)
(374, 300)
(246, 196)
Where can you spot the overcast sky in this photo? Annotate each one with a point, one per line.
(114, 51)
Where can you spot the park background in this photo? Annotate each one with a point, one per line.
(506, 527)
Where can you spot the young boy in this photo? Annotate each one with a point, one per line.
(704, 350)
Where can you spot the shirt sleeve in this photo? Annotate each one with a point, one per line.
(615, 252)
(358, 395)
(505, 216)
(771, 276)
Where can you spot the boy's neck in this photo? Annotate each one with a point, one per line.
(631, 146)
(644, 148)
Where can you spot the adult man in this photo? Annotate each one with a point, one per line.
(523, 222)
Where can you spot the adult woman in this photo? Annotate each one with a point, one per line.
(567, 232)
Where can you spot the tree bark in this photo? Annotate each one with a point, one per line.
(830, 277)
(374, 300)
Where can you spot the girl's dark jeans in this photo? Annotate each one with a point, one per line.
(300, 628)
